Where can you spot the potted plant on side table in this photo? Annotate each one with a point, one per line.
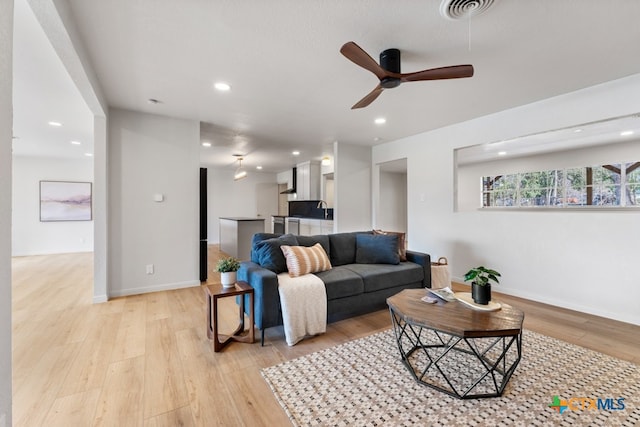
(481, 278)
(228, 268)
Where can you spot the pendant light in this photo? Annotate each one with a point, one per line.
(240, 172)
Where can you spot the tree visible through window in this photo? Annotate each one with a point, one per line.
(601, 185)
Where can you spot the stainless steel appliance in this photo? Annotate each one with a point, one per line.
(277, 224)
(293, 226)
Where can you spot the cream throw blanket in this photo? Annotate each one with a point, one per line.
(304, 306)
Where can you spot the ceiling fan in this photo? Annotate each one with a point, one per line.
(388, 72)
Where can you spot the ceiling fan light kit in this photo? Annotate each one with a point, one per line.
(388, 71)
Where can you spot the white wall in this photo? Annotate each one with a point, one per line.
(32, 237)
(352, 188)
(6, 126)
(470, 175)
(578, 260)
(229, 198)
(392, 212)
(150, 155)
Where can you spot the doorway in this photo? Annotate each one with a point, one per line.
(391, 210)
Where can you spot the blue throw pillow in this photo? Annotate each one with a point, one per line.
(269, 254)
(377, 249)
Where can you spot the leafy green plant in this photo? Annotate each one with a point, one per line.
(226, 265)
(482, 275)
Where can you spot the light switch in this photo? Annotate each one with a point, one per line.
(158, 197)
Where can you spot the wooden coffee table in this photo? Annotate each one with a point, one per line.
(455, 349)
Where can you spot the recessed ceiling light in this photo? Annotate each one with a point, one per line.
(206, 144)
(380, 121)
(76, 142)
(295, 153)
(153, 101)
(502, 153)
(56, 124)
(88, 154)
(577, 130)
(377, 138)
(626, 133)
(222, 86)
(259, 167)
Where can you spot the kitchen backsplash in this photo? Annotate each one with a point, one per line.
(308, 209)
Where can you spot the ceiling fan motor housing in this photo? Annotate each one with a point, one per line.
(390, 61)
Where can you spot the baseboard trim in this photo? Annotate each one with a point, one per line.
(634, 320)
(154, 288)
(97, 299)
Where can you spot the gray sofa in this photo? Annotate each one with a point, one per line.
(353, 288)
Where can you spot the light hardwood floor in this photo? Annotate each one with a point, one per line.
(145, 360)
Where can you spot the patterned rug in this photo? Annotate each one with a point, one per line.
(364, 383)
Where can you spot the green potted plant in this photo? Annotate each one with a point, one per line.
(228, 267)
(481, 278)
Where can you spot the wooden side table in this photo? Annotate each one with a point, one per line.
(213, 293)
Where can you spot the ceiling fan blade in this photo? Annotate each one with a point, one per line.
(452, 72)
(369, 98)
(355, 54)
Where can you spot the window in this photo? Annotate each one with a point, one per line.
(613, 185)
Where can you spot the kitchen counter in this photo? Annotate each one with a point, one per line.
(236, 234)
(241, 218)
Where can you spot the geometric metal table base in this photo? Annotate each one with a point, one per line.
(462, 367)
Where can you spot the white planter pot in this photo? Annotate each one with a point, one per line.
(228, 279)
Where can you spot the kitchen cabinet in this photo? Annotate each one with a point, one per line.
(308, 180)
(312, 227)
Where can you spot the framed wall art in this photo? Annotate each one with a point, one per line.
(65, 201)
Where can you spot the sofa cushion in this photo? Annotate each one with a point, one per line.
(323, 239)
(303, 260)
(377, 249)
(341, 282)
(343, 248)
(270, 256)
(382, 276)
(258, 237)
(402, 242)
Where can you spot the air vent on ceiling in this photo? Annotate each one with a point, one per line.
(464, 9)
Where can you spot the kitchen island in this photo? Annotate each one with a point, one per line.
(236, 234)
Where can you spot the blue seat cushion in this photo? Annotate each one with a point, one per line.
(380, 276)
(258, 237)
(270, 256)
(341, 282)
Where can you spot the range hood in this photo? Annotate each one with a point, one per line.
(294, 179)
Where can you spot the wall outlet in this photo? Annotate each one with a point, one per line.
(149, 268)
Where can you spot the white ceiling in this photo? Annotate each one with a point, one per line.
(292, 89)
(44, 92)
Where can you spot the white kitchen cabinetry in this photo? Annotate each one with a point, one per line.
(308, 181)
(312, 227)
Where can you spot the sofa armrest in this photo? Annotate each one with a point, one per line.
(425, 261)
(266, 297)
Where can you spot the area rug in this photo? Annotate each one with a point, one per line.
(364, 383)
